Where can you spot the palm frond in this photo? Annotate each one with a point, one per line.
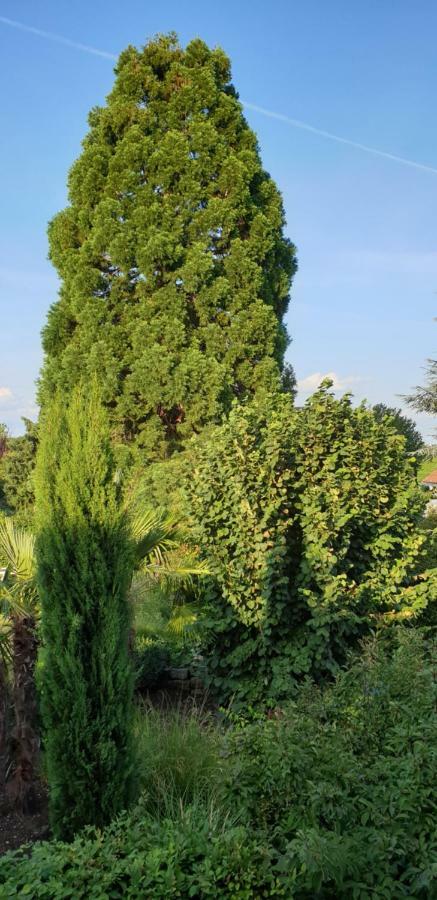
(166, 564)
(17, 550)
(155, 532)
(184, 618)
(18, 593)
(162, 549)
(5, 640)
(180, 564)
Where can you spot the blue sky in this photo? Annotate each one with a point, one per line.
(365, 225)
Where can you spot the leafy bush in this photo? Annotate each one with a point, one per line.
(150, 659)
(196, 854)
(344, 780)
(403, 424)
(331, 798)
(309, 521)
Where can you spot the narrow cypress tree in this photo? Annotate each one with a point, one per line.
(175, 272)
(84, 559)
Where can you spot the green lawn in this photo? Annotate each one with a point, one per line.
(426, 468)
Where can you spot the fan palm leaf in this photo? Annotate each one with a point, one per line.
(19, 647)
(167, 564)
(18, 592)
(162, 548)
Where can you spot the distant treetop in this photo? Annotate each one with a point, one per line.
(403, 424)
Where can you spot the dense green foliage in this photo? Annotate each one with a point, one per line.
(17, 463)
(309, 523)
(305, 525)
(403, 424)
(18, 652)
(195, 854)
(344, 779)
(175, 272)
(331, 798)
(85, 560)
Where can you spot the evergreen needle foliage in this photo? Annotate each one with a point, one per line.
(17, 463)
(175, 272)
(85, 561)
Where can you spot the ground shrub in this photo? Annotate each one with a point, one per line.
(196, 854)
(331, 797)
(343, 780)
(150, 660)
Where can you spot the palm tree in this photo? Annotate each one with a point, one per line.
(19, 612)
(166, 565)
(5, 660)
(163, 550)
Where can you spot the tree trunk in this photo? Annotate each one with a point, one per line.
(4, 705)
(24, 738)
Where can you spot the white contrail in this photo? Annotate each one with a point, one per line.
(57, 37)
(296, 123)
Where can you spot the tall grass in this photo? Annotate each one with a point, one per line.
(180, 758)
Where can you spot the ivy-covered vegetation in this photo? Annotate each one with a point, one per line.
(309, 521)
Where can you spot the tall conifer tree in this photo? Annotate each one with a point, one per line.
(85, 560)
(175, 272)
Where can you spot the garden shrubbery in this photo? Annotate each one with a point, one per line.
(187, 512)
(150, 660)
(344, 778)
(309, 520)
(330, 797)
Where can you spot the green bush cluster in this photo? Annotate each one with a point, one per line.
(331, 798)
(309, 521)
(175, 277)
(194, 855)
(17, 464)
(343, 780)
(150, 660)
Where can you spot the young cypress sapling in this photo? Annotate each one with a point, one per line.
(85, 561)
